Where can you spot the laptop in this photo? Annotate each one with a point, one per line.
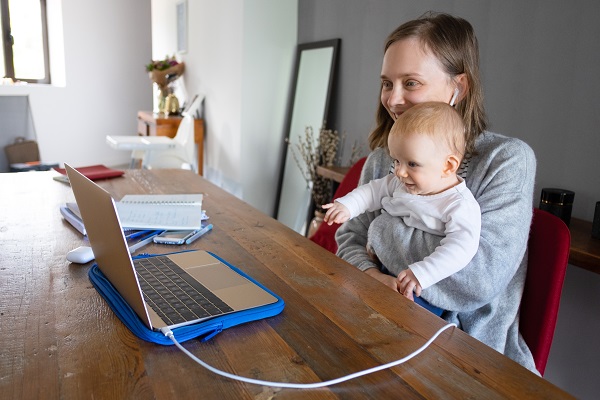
(165, 291)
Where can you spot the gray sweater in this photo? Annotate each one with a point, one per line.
(483, 298)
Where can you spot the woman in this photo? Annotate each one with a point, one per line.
(433, 58)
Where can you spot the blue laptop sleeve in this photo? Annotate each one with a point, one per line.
(203, 330)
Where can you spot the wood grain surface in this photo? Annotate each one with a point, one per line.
(59, 339)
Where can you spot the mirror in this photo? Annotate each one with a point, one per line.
(309, 106)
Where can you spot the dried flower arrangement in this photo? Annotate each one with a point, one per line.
(162, 65)
(164, 72)
(311, 152)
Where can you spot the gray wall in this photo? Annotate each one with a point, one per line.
(539, 64)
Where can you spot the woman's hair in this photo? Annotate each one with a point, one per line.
(453, 42)
(437, 120)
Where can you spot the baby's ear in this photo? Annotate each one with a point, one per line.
(451, 165)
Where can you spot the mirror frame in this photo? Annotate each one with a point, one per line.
(293, 102)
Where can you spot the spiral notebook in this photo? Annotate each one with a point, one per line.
(194, 199)
(161, 211)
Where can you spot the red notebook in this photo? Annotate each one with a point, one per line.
(94, 172)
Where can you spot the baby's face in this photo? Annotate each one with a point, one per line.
(419, 163)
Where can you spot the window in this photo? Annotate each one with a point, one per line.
(24, 43)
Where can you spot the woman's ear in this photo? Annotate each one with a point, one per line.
(462, 84)
(451, 165)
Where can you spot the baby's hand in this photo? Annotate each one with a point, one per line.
(407, 283)
(336, 212)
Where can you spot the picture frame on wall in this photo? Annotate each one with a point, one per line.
(182, 38)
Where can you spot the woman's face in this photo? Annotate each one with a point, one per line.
(412, 75)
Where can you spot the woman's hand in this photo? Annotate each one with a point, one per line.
(387, 280)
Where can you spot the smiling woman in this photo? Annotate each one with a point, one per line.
(429, 59)
(24, 41)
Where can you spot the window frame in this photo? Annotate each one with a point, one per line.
(7, 40)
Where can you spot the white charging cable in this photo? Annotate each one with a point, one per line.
(168, 333)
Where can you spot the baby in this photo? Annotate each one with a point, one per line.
(427, 143)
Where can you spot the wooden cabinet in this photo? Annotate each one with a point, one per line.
(150, 124)
(585, 250)
(334, 173)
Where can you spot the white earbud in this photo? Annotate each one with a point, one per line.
(454, 97)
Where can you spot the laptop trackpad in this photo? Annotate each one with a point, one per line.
(208, 270)
(235, 290)
(217, 276)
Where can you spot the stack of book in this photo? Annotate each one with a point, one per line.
(154, 211)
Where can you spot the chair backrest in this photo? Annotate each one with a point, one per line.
(183, 155)
(548, 247)
(186, 131)
(325, 235)
(185, 137)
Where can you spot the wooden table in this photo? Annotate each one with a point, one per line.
(61, 340)
(334, 173)
(151, 124)
(585, 250)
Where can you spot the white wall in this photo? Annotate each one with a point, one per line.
(240, 56)
(106, 45)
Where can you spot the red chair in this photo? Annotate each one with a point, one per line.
(549, 244)
(325, 235)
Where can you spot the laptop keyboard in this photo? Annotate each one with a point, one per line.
(173, 294)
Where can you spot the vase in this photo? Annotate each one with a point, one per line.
(162, 102)
(315, 223)
(171, 105)
(160, 98)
